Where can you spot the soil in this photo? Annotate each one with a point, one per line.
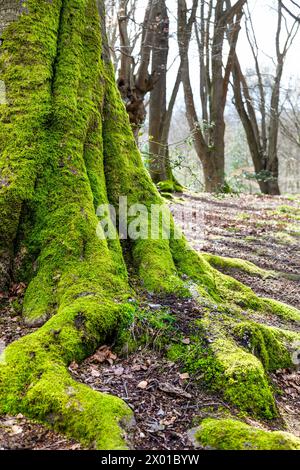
(166, 402)
(254, 228)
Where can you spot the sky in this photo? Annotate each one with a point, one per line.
(264, 17)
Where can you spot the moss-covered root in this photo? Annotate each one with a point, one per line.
(273, 346)
(281, 310)
(95, 419)
(230, 434)
(224, 289)
(242, 379)
(170, 186)
(34, 379)
(236, 263)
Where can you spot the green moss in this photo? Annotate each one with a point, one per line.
(169, 186)
(244, 382)
(291, 211)
(227, 368)
(45, 391)
(286, 312)
(148, 328)
(229, 434)
(26, 66)
(235, 263)
(269, 344)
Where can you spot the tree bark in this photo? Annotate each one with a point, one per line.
(158, 100)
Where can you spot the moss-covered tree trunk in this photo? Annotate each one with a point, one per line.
(66, 146)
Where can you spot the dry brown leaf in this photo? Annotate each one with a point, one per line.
(119, 371)
(184, 376)
(186, 341)
(173, 390)
(169, 421)
(104, 354)
(143, 384)
(95, 373)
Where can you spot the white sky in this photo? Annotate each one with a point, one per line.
(264, 17)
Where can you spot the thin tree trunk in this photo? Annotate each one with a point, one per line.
(159, 116)
(158, 99)
(209, 137)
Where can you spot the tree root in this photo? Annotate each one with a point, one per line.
(230, 434)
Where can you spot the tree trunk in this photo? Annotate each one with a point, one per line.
(158, 103)
(159, 116)
(208, 135)
(213, 171)
(66, 147)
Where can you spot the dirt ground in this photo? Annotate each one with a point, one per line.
(166, 402)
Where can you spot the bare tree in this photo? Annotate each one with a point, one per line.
(159, 115)
(261, 122)
(135, 80)
(292, 8)
(290, 118)
(217, 18)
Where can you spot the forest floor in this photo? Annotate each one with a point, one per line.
(168, 403)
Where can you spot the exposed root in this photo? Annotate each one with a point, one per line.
(229, 434)
(240, 264)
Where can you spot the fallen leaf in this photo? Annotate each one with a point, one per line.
(104, 354)
(95, 373)
(16, 430)
(186, 341)
(169, 421)
(169, 388)
(73, 366)
(184, 376)
(119, 371)
(143, 384)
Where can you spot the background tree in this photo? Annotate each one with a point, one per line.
(208, 133)
(292, 7)
(134, 79)
(261, 118)
(159, 115)
(290, 117)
